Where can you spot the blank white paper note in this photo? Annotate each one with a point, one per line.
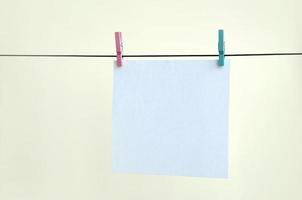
(171, 118)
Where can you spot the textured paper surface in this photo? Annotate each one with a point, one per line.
(171, 118)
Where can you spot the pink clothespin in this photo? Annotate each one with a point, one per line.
(119, 48)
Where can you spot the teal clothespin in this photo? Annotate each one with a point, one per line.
(221, 47)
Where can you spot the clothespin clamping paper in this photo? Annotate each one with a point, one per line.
(119, 48)
(221, 47)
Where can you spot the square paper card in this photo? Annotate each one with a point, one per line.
(171, 118)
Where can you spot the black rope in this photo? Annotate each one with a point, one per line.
(266, 54)
(55, 55)
(150, 55)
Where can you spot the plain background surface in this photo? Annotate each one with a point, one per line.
(55, 113)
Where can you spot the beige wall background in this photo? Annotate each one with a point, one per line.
(55, 113)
